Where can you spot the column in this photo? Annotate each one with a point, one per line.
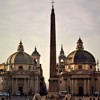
(76, 90)
(88, 86)
(28, 85)
(25, 86)
(67, 83)
(85, 87)
(16, 87)
(99, 84)
(72, 86)
(12, 91)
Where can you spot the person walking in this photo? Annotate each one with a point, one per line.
(37, 97)
(93, 98)
(90, 97)
(66, 98)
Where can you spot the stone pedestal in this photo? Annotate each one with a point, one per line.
(53, 88)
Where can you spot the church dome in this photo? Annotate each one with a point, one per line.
(20, 57)
(80, 55)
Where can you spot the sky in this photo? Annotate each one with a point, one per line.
(29, 21)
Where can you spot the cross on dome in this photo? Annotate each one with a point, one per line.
(20, 47)
(52, 3)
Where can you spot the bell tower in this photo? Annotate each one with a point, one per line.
(62, 61)
(53, 80)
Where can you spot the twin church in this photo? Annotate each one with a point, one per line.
(76, 73)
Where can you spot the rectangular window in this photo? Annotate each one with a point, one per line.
(20, 67)
(90, 67)
(80, 66)
(29, 67)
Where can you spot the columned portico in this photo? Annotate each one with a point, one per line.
(79, 85)
(21, 82)
(21, 85)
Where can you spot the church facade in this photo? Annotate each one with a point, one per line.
(23, 73)
(77, 72)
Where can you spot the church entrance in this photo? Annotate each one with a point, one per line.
(81, 91)
(21, 90)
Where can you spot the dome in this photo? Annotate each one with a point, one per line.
(80, 55)
(20, 57)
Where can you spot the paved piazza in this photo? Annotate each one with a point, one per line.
(21, 98)
(43, 98)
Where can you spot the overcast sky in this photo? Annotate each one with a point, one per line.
(29, 21)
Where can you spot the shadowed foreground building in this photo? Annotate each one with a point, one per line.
(23, 72)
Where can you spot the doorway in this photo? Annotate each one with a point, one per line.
(21, 89)
(81, 91)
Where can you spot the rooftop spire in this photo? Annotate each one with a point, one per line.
(20, 47)
(62, 51)
(35, 48)
(79, 44)
(62, 54)
(35, 52)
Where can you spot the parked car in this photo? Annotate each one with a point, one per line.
(1, 93)
(18, 93)
(96, 93)
(4, 94)
(63, 93)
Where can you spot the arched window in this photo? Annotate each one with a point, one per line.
(20, 67)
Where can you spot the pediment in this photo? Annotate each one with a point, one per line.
(20, 72)
(80, 72)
